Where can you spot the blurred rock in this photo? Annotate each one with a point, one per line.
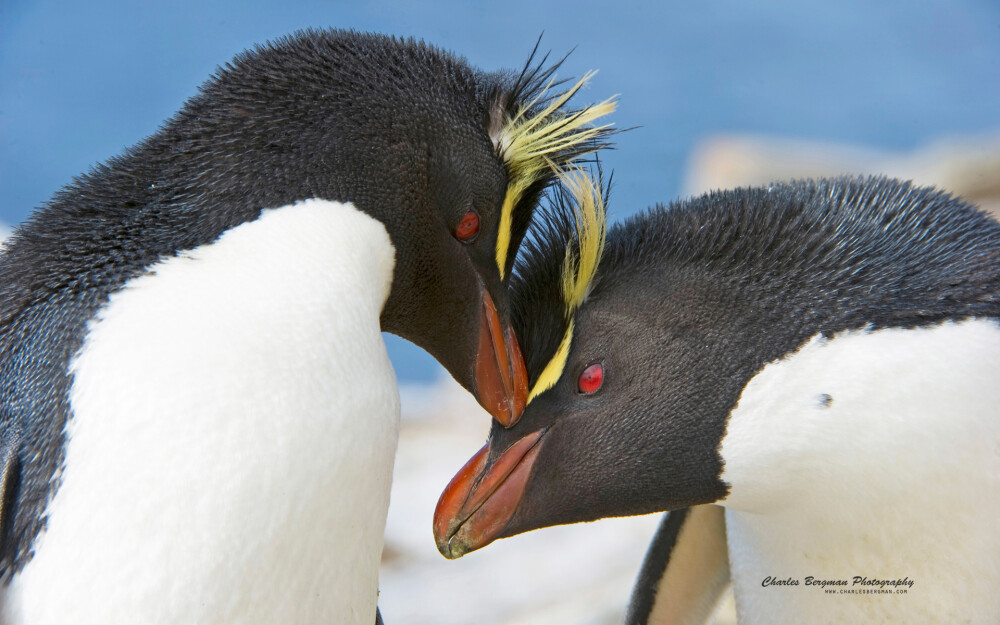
(965, 166)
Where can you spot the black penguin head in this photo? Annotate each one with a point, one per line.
(590, 444)
(450, 159)
(634, 387)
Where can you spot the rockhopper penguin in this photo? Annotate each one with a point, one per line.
(198, 415)
(807, 374)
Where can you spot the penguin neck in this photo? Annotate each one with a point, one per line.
(234, 423)
(869, 455)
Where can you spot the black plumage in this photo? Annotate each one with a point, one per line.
(397, 127)
(691, 300)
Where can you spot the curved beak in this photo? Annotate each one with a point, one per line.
(501, 376)
(481, 499)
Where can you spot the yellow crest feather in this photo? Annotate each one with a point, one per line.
(578, 269)
(553, 370)
(591, 227)
(528, 145)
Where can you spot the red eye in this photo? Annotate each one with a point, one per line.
(468, 228)
(591, 379)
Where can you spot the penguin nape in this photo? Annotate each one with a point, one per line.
(198, 414)
(805, 374)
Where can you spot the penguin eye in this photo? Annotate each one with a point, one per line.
(591, 379)
(468, 228)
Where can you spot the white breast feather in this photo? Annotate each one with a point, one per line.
(235, 418)
(896, 476)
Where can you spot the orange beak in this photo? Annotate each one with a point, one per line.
(481, 500)
(501, 377)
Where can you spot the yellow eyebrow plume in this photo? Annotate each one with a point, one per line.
(579, 269)
(530, 146)
(553, 370)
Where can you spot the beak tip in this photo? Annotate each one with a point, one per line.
(454, 554)
(509, 413)
(450, 546)
(506, 418)
(511, 422)
(444, 549)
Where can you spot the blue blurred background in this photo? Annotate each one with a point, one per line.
(81, 81)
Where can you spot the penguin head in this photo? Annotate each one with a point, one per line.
(634, 384)
(450, 159)
(591, 443)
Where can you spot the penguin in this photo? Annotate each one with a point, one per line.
(803, 375)
(685, 571)
(198, 414)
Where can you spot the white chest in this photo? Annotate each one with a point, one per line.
(234, 424)
(872, 455)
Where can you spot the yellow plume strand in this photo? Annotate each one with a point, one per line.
(553, 370)
(579, 269)
(527, 145)
(591, 228)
